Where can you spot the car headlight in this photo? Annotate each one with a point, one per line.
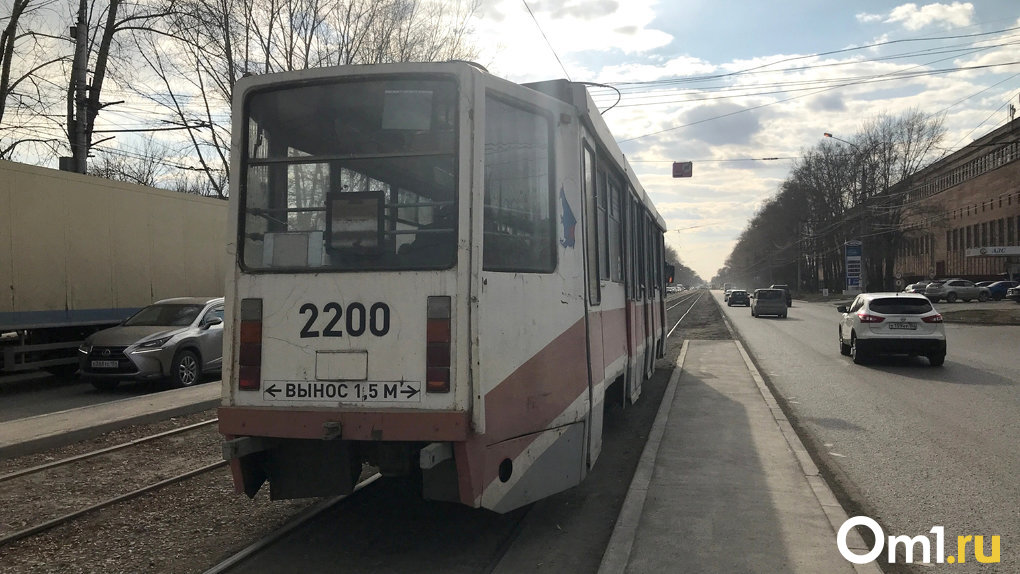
(155, 343)
(85, 348)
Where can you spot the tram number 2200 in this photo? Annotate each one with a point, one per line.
(376, 319)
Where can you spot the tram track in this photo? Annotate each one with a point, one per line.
(41, 497)
(686, 304)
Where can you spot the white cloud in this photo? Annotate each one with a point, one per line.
(947, 16)
(866, 18)
(568, 25)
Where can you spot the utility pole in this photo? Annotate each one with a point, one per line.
(77, 98)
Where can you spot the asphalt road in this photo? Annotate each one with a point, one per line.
(912, 446)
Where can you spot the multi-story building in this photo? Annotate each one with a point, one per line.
(961, 215)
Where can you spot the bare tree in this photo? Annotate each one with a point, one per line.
(841, 190)
(93, 44)
(210, 44)
(25, 54)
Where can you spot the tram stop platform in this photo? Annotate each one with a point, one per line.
(724, 484)
(23, 436)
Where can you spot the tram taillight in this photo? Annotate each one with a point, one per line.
(437, 345)
(249, 355)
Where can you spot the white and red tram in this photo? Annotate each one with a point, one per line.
(438, 272)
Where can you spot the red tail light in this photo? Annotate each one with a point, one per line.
(437, 345)
(249, 355)
(936, 318)
(865, 318)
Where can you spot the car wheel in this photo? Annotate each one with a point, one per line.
(936, 359)
(858, 355)
(844, 349)
(982, 297)
(951, 298)
(186, 370)
(783, 316)
(104, 385)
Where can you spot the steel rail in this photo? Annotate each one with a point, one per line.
(291, 525)
(133, 494)
(685, 314)
(93, 453)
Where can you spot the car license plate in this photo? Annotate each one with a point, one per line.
(105, 364)
(910, 326)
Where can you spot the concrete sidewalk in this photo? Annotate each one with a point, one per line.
(24, 436)
(724, 483)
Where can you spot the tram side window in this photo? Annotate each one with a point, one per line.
(603, 222)
(591, 228)
(615, 237)
(518, 220)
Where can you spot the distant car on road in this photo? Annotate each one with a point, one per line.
(739, 297)
(953, 289)
(176, 339)
(786, 289)
(1013, 294)
(768, 302)
(998, 288)
(916, 287)
(891, 323)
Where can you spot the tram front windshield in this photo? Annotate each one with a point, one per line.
(350, 175)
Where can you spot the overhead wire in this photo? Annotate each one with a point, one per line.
(547, 42)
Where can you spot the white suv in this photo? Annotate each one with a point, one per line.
(892, 323)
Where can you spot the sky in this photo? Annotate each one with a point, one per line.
(726, 83)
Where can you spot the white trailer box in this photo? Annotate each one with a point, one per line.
(80, 253)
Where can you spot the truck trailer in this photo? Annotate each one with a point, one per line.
(81, 253)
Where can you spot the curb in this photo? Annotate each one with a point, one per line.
(62, 428)
(617, 554)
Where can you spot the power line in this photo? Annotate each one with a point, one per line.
(547, 43)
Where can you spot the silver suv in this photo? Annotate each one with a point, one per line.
(176, 339)
(953, 289)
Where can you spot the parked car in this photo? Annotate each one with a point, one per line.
(891, 323)
(998, 288)
(176, 339)
(953, 289)
(1013, 294)
(739, 297)
(786, 289)
(768, 302)
(916, 287)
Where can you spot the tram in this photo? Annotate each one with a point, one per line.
(437, 272)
